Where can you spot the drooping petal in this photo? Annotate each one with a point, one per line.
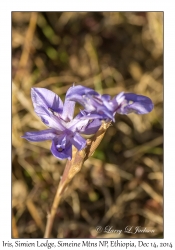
(101, 113)
(138, 104)
(117, 100)
(83, 123)
(42, 135)
(61, 147)
(46, 99)
(92, 101)
(91, 128)
(77, 123)
(80, 90)
(107, 102)
(78, 141)
(105, 113)
(82, 95)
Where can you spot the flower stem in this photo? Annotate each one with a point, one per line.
(51, 216)
(71, 169)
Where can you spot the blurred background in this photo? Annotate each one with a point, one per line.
(122, 184)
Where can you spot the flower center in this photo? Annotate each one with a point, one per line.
(60, 149)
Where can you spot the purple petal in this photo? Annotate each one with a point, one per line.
(117, 100)
(106, 97)
(42, 135)
(68, 110)
(84, 123)
(138, 104)
(101, 113)
(61, 147)
(77, 123)
(80, 90)
(82, 95)
(107, 103)
(92, 101)
(78, 141)
(105, 113)
(53, 122)
(50, 120)
(46, 99)
(91, 128)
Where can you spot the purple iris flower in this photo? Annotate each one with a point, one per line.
(64, 131)
(103, 107)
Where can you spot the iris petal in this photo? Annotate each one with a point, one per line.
(49, 119)
(42, 135)
(91, 128)
(138, 104)
(77, 124)
(68, 110)
(81, 95)
(45, 98)
(61, 153)
(78, 141)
